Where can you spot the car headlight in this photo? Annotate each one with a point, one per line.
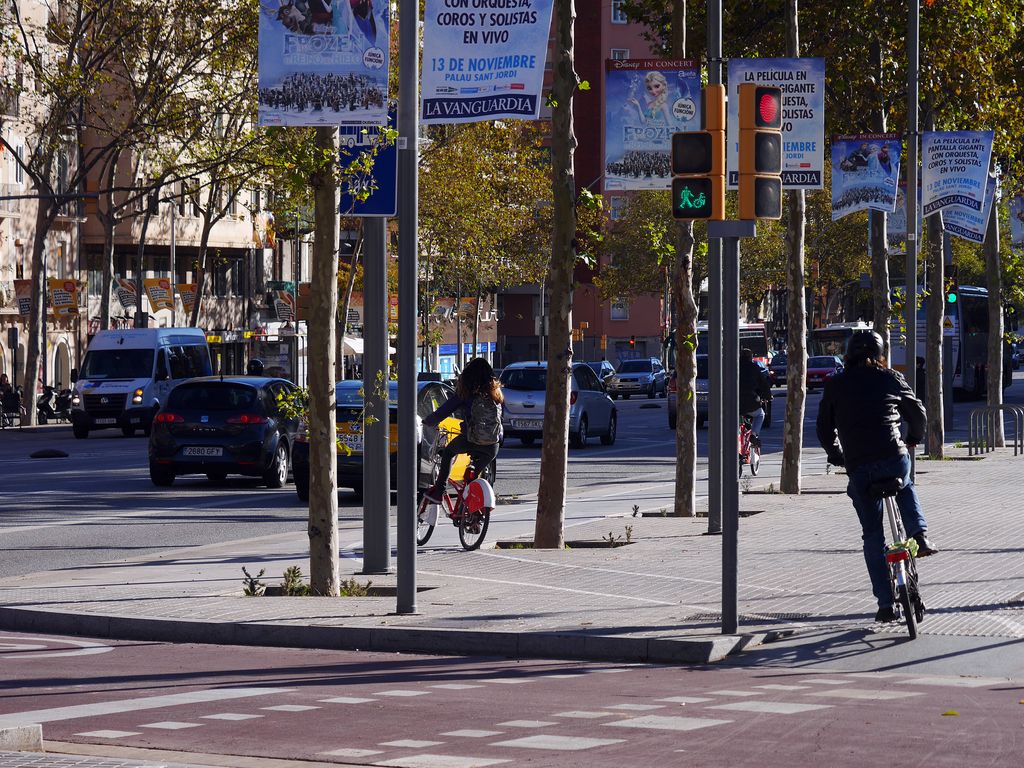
(137, 396)
(76, 399)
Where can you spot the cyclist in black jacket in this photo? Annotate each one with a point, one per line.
(755, 390)
(864, 404)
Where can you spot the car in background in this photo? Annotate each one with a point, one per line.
(777, 369)
(349, 423)
(701, 386)
(591, 411)
(637, 377)
(220, 426)
(603, 369)
(820, 369)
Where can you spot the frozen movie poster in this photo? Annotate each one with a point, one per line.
(323, 62)
(646, 101)
(865, 170)
(1017, 222)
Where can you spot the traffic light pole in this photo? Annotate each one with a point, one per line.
(910, 300)
(714, 350)
(728, 234)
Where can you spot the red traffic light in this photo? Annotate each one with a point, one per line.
(760, 106)
(768, 109)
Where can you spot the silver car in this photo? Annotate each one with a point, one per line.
(591, 411)
(701, 386)
(638, 377)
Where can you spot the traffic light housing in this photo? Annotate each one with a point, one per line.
(632, 341)
(760, 152)
(698, 163)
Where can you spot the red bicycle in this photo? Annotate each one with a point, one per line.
(467, 503)
(750, 446)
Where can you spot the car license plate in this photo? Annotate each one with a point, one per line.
(106, 421)
(354, 442)
(203, 451)
(526, 423)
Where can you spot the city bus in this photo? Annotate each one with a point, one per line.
(753, 336)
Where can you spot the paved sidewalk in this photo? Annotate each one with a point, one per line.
(655, 599)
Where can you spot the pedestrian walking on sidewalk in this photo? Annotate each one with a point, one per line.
(863, 406)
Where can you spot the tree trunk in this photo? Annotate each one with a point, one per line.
(554, 452)
(796, 343)
(476, 328)
(881, 298)
(324, 568)
(347, 301)
(994, 281)
(686, 374)
(202, 278)
(934, 310)
(108, 267)
(45, 214)
(140, 263)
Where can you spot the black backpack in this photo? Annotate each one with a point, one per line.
(484, 421)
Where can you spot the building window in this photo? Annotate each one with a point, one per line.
(620, 308)
(620, 54)
(618, 16)
(19, 170)
(94, 282)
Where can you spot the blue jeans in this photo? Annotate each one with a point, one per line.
(757, 420)
(872, 516)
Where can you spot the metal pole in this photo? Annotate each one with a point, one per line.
(174, 268)
(910, 302)
(729, 425)
(714, 350)
(408, 301)
(948, 363)
(376, 457)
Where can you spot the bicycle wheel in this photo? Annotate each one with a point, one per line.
(909, 611)
(473, 528)
(755, 457)
(423, 528)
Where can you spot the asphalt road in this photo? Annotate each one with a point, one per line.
(419, 711)
(98, 505)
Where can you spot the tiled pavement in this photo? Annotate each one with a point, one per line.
(800, 566)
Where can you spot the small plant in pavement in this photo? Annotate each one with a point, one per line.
(292, 584)
(611, 538)
(745, 484)
(251, 585)
(629, 534)
(636, 510)
(352, 588)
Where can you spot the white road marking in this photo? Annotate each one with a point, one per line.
(401, 693)
(665, 723)
(562, 743)
(456, 686)
(686, 699)
(770, 707)
(345, 700)
(171, 725)
(81, 648)
(410, 744)
(636, 707)
(441, 761)
(353, 752)
(290, 708)
(108, 734)
(131, 705)
(231, 716)
(827, 681)
(508, 680)
(470, 733)
(582, 715)
(956, 682)
(526, 724)
(734, 693)
(779, 687)
(861, 693)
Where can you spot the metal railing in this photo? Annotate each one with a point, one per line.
(983, 428)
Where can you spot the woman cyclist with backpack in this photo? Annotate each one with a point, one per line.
(478, 399)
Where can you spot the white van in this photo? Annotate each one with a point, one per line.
(126, 376)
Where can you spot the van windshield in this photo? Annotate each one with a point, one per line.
(117, 364)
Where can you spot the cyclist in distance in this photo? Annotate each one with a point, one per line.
(755, 391)
(864, 405)
(477, 402)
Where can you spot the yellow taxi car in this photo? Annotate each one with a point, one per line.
(431, 395)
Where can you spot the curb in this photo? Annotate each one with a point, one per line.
(21, 738)
(577, 646)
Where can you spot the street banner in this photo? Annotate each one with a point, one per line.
(284, 305)
(484, 60)
(645, 102)
(392, 308)
(865, 169)
(967, 224)
(158, 289)
(187, 294)
(1017, 222)
(954, 169)
(380, 182)
(442, 309)
(124, 289)
(803, 116)
(467, 308)
(323, 62)
(896, 222)
(23, 293)
(63, 296)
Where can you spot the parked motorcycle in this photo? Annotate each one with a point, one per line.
(62, 406)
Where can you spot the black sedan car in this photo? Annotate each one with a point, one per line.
(431, 395)
(223, 425)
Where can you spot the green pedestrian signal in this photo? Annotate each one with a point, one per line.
(692, 197)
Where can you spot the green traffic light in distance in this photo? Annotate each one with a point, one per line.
(951, 297)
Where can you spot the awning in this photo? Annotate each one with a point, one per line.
(354, 346)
